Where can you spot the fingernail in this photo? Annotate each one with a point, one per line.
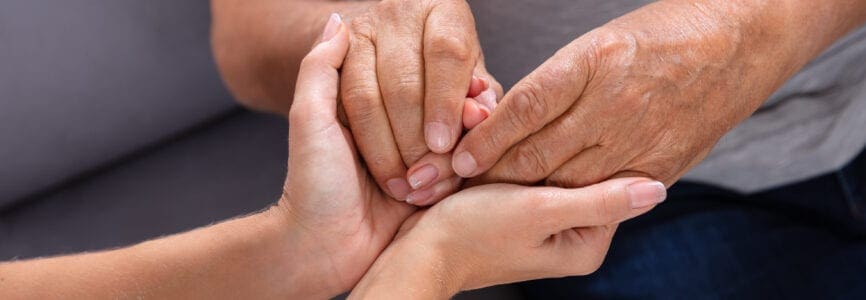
(646, 193)
(423, 176)
(421, 196)
(332, 27)
(425, 197)
(464, 164)
(438, 137)
(488, 99)
(399, 188)
(476, 86)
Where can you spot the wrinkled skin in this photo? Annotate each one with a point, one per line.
(410, 65)
(648, 94)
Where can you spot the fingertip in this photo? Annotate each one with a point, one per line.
(473, 113)
(464, 164)
(645, 193)
(439, 137)
(398, 188)
(476, 86)
(334, 43)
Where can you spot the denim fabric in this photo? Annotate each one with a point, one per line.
(802, 241)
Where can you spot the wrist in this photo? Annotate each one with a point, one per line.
(300, 259)
(412, 268)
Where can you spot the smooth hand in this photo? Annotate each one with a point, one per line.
(343, 216)
(503, 233)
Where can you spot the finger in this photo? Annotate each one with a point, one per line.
(318, 80)
(368, 120)
(592, 165)
(435, 193)
(431, 168)
(480, 104)
(534, 102)
(609, 202)
(546, 151)
(473, 114)
(450, 53)
(400, 69)
(488, 81)
(476, 86)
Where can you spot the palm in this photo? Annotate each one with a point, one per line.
(341, 202)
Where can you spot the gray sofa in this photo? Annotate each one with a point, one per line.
(115, 128)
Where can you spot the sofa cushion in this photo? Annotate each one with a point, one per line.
(85, 82)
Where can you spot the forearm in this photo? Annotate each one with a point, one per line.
(790, 32)
(241, 258)
(258, 44)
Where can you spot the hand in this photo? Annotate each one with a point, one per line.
(503, 233)
(345, 219)
(404, 86)
(648, 94)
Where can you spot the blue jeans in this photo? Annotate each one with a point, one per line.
(804, 241)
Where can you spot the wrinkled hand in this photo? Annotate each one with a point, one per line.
(648, 94)
(328, 193)
(404, 88)
(501, 233)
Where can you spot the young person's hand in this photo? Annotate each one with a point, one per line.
(503, 233)
(342, 216)
(328, 228)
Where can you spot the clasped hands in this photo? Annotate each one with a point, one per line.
(642, 98)
(490, 234)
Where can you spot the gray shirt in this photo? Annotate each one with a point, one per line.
(812, 125)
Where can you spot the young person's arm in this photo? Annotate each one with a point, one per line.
(330, 225)
(259, 256)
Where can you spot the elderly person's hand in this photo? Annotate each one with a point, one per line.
(404, 86)
(503, 233)
(648, 94)
(411, 63)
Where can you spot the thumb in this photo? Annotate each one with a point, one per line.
(315, 102)
(605, 203)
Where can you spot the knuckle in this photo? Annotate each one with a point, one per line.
(610, 42)
(408, 87)
(531, 161)
(411, 154)
(528, 108)
(447, 46)
(362, 27)
(360, 103)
